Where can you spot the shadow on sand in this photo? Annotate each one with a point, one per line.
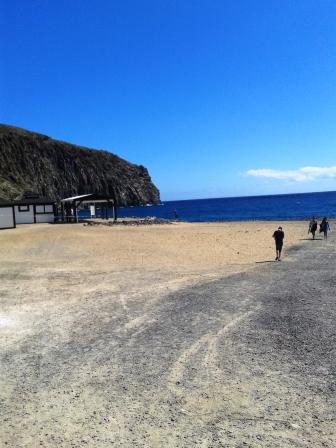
(311, 239)
(267, 261)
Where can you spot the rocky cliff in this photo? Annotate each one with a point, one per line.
(54, 169)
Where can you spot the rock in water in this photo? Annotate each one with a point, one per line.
(55, 169)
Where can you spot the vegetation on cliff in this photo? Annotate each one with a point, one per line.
(55, 169)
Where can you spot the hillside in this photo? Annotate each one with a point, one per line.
(55, 169)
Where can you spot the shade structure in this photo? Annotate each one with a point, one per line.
(70, 205)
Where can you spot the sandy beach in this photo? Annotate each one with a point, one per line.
(128, 261)
(75, 299)
(182, 249)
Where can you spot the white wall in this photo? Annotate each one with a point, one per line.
(6, 217)
(47, 213)
(24, 217)
(47, 217)
(44, 213)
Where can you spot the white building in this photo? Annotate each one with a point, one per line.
(26, 211)
(7, 217)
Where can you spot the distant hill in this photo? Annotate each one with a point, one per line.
(55, 169)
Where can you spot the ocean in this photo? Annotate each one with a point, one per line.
(275, 207)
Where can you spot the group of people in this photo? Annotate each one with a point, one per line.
(279, 234)
(324, 227)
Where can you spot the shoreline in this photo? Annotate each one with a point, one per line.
(158, 220)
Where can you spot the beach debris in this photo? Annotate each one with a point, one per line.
(148, 220)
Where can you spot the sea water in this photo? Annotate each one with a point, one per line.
(275, 207)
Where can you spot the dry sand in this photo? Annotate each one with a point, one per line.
(182, 248)
(55, 279)
(133, 260)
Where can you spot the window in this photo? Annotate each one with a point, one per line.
(43, 209)
(23, 208)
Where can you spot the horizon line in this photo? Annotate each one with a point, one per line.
(247, 196)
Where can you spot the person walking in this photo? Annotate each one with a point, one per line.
(324, 227)
(312, 227)
(278, 236)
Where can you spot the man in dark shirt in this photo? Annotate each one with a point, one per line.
(278, 236)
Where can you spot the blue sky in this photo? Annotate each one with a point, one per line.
(215, 98)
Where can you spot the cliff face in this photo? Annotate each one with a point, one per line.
(54, 169)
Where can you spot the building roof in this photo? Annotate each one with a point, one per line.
(92, 197)
(29, 201)
(76, 198)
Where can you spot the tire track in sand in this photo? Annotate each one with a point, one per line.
(208, 341)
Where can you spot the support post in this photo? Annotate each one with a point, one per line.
(115, 211)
